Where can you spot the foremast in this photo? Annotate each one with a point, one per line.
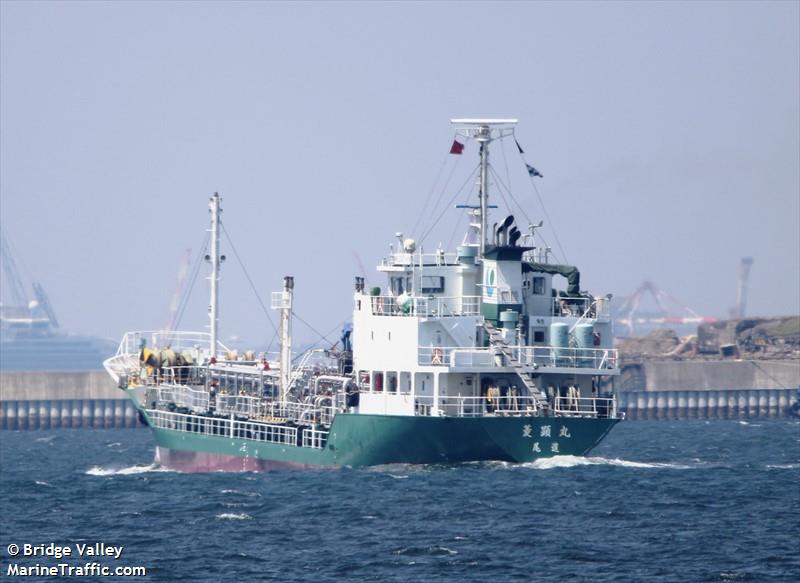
(215, 259)
(287, 299)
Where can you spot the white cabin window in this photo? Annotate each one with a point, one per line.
(538, 285)
(432, 284)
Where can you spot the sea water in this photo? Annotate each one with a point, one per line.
(688, 501)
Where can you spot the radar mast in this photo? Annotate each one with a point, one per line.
(484, 131)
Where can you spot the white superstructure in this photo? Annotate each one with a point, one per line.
(481, 328)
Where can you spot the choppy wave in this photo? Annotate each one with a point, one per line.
(240, 493)
(783, 466)
(504, 520)
(570, 461)
(128, 471)
(433, 550)
(232, 516)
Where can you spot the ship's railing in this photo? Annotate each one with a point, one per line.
(124, 366)
(529, 356)
(419, 258)
(572, 307)
(226, 400)
(249, 406)
(310, 413)
(584, 407)
(181, 396)
(225, 427)
(551, 357)
(236, 380)
(248, 379)
(241, 405)
(426, 307)
(314, 438)
(132, 342)
(481, 406)
(179, 375)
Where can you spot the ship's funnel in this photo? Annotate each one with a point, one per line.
(502, 232)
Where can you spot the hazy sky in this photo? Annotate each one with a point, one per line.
(668, 135)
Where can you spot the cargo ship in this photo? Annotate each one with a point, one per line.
(31, 339)
(465, 356)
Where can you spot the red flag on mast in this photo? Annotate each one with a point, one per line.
(457, 147)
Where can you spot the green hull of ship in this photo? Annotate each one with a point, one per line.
(363, 440)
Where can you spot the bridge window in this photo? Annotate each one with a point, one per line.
(397, 286)
(538, 285)
(432, 284)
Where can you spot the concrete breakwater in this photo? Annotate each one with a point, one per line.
(717, 389)
(706, 404)
(44, 400)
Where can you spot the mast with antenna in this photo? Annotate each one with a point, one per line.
(484, 131)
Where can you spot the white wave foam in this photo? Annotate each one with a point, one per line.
(783, 467)
(38, 483)
(46, 439)
(129, 471)
(571, 461)
(232, 516)
(241, 493)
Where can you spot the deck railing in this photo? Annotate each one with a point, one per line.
(234, 429)
(550, 357)
(491, 404)
(499, 405)
(426, 307)
(584, 407)
(533, 357)
(178, 341)
(180, 396)
(314, 438)
(420, 258)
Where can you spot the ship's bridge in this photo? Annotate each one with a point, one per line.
(428, 285)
